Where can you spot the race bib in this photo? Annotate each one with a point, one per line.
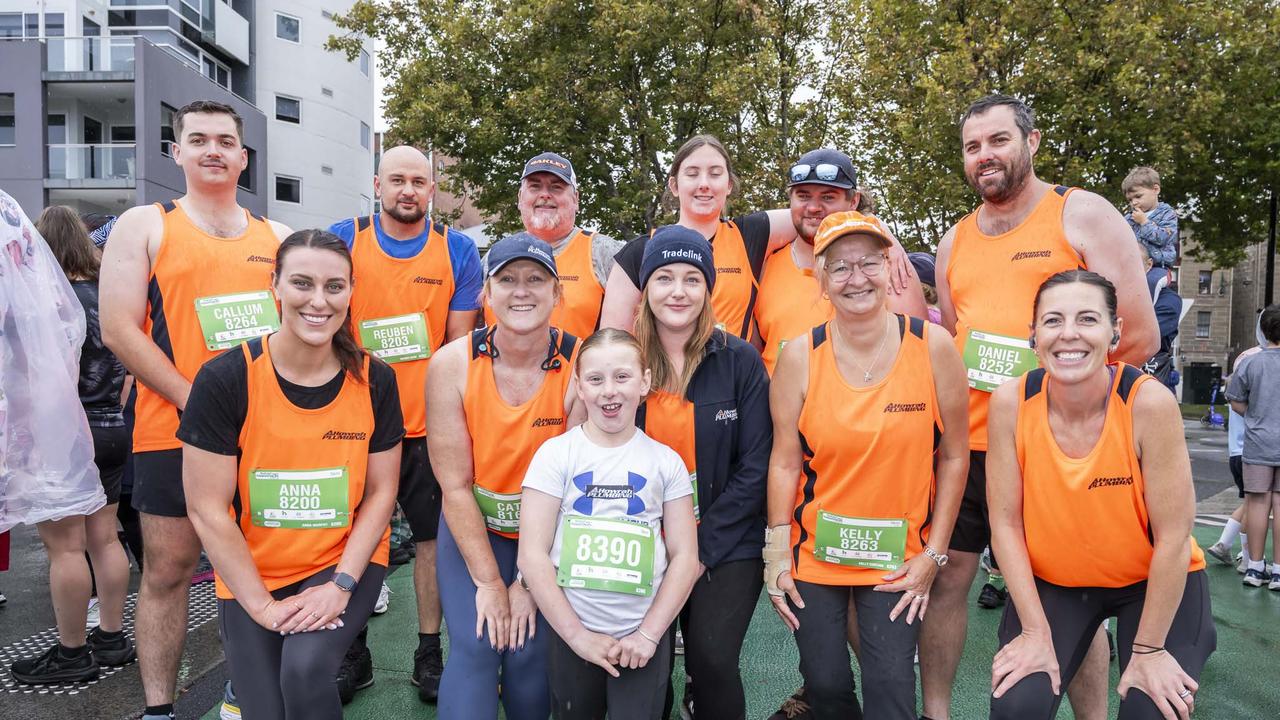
(991, 360)
(501, 511)
(228, 320)
(300, 499)
(697, 514)
(612, 555)
(397, 339)
(876, 543)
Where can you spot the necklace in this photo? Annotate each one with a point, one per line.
(866, 371)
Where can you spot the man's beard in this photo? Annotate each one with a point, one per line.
(1012, 180)
(408, 217)
(544, 219)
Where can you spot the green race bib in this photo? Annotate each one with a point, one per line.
(501, 512)
(612, 555)
(992, 360)
(228, 320)
(876, 543)
(697, 514)
(397, 339)
(300, 499)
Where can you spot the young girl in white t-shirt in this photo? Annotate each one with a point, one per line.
(608, 544)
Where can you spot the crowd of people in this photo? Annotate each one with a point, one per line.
(607, 450)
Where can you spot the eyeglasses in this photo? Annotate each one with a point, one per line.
(822, 171)
(870, 265)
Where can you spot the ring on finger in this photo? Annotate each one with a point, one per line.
(1186, 693)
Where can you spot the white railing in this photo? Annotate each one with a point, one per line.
(115, 161)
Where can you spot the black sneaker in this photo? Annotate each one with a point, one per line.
(991, 597)
(356, 672)
(52, 668)
(793, 708)
(428, 666)
(111, 653)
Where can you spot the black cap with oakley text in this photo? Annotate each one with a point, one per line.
(552, 163)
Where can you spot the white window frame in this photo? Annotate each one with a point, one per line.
(276, 113)
(296, 19)
(366, 62)
(365, 129)
(275, 188)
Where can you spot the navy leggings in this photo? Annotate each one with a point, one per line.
(474, 670)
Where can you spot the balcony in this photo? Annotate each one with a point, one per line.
(90, 55)
(89, 166)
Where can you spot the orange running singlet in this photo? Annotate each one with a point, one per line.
(1078, 510)
(301, 475)
(505, 437)
(864, 502)
(230, 280)
(399, 309)
(669, 420)
(579, 313)
(790, 303)
(993, 281)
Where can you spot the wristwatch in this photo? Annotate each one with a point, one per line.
(936, 556)
(520, 579)
(345, 582)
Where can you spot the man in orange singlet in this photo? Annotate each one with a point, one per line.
(181, 282)
(989, 267)
(548, 202)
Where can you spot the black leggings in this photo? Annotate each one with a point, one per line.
(581, 690)
(887, 653)
(1074, 616)
(291, 677)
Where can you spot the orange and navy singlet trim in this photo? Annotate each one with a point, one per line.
(790, 303)
(192, 264)
(1077, 510)
(579, 312)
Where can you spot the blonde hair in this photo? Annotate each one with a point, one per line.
(1141, 176)
(654, 357)
(604, 337)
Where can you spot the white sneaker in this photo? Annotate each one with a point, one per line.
(384, 600)
(93, 617)
(1241, 565)
(1220, 552)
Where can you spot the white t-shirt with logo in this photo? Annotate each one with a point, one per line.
(628, 482)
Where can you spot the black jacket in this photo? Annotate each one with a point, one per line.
(733, 434)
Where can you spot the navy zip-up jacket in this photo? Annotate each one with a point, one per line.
(733, 436)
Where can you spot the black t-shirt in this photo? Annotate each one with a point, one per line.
(219, 403)
(755, 235)
(101, 374)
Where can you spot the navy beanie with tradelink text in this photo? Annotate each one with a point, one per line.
(672, 244)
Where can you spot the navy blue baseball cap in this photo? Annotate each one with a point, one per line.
(824, 166)
(553, 163)
(672, 244)
(521, 246)
(925, 267)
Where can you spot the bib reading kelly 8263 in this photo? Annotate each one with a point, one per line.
(228, 320)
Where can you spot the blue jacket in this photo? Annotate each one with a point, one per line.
(733, 436)
(1159, 235)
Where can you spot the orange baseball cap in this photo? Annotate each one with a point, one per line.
(838, 224)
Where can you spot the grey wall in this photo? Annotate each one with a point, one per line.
(22, 167)
(160, 78)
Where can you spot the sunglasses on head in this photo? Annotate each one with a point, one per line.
(822, 171)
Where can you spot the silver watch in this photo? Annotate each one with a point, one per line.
(936, 556)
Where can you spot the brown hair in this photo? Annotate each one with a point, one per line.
(1141, 176)
(692, 144)
(1082, 277)
(345, 347)
(654, 357)
(61, 228)
(210, 107)
(605, 337)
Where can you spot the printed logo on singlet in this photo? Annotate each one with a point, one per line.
(547, 421)
(592, 492)
(1029, 254)
(260, 259)
(894, 407)
(427, 281)
(1110, 481)
(728, 415)
(568, 278)
(339, 435)
(731, 270)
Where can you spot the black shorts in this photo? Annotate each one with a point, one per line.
(110, 451)
(157, 483)
(1236, 463)
(419, 494)
(973, 527)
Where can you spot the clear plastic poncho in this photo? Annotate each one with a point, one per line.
(46, 451)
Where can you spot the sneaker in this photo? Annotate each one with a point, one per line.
(1220, 552)
(679, 643)
(1241, 565)
(793, 708)
(991, 597)
(204, 571)
(111, 653)
(94, 614)
(1256, 578)
(3, 599)
(356, 672)
(686, 705)
(428, 666)
(230, 708)
(52, 668)
(985, 561)
(384, 600)
(402, 554)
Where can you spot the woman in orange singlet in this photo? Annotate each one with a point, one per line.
(868, 466)
(291, 454)
(492, 399)
(1091, 502)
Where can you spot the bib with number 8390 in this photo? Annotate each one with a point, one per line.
(612, 555)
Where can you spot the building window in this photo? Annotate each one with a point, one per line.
(288, 28)
(10, 25)
(8, 120)
(166, 130)
(327, 92)
(326, 170)
(365, 136)
(217, 72)
(366, 205)
(365, 62)
(1202, 323)
(250, 170)
(55, 25)
(1206, 282)
(288, 189)
(289, 109)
